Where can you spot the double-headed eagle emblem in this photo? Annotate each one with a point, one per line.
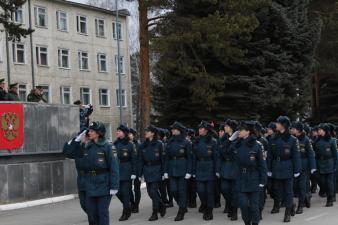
(10, 124)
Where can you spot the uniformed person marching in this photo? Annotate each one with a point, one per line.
(13, 93)
(326, 158)
(152, 168)
(126, 154)
(3, 92)
(229, 169)
(178, 166)
(308, 167)
(191, 190)
(135, 194)
(205, 161)
(100, 173)
(252, 175)
(284, 164)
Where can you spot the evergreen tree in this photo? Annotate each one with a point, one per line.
(15, 31)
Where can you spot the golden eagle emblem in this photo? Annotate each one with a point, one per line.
(10, 124)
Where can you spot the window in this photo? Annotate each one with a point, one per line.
(99, 27)
(40, 16)
(63, 58)
(85, 96)
(121, 63)
(17, 16)
(22, 92)
(102, 62)
(81, 24)
(46, 93)
(117, 30)
(66, 94)
(61, 18)
(104, 97)
(42, 56)
(18, 53)
(124, 99)
(83, 60)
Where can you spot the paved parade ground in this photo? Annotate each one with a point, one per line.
(69, 213)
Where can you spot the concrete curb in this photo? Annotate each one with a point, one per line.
(45, 201)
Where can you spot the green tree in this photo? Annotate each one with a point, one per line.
(15, 31)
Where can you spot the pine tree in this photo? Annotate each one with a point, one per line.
(15, 31)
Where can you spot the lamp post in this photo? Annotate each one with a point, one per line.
(118, 60)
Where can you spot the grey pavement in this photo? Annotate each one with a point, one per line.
(69, 213)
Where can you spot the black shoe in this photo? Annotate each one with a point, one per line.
(276, 207)
(180, 214)
(299, 210)
(163, 210)
(226, 208)
(322, 194)
(308, 202)
(254, 223)
(247, 223)
(293, 210)
(208, 215)
(329, 202)
(154, 216)
(202, 208)
(234, 214)
(287, 215)
(125, 215)
(135, 209)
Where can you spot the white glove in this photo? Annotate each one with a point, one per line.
(269, 174)
(194, 176)
(133, 177)
(165, 175)
(261, 185)
(187, 176)
(140, 179)
(217, 174)
(313, 171)
(296, 174)
(70, 141)
(113, 192)
(81, 136)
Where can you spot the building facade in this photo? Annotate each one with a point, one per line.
(74, 57)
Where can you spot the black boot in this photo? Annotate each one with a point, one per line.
(135, 209)
(329, 202)
(247, 223)
(293, 210)
(180, 214)
(254, 223)
(234, 214)
(125, 215)
(154, 215)
(226, 208)
(170, 204)
(208, 214)
(163, 209)
(287, 215)
(276, 207)
(202, 208)
(299, 209)
(308, 202)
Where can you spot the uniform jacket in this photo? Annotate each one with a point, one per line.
(12, 96)
(326, 154)
(227, 159)
(126, 155)
(307, 154)
(3, 95)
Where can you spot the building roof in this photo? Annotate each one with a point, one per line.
(122, 12)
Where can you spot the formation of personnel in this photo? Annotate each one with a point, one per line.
(244, 162)
(36, 94)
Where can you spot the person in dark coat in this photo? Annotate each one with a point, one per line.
(126, 154)
(135, 194)
(36, 95)
(178, 166)
(13, 95)
(326, 157)
(252, 174)
(192, 192)
(302, 184)
(151, 166)
(206, 167)
(85, 112)
(100, 172)
(3, 92)
(284, 164)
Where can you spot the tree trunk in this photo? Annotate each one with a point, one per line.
(145, 99)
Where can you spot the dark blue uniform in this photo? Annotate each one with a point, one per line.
(326, 158)
(228, 173)
(135, 194)
(252, 174)
(308, 165)
(206, 165)
(100, 175)
(126, 155)
(283, 161)
(178, 163)
(152, 168)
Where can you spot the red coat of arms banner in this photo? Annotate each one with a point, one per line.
(11, 126)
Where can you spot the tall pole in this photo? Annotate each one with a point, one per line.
(118, 61)
(7, 58)
(31, 43)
